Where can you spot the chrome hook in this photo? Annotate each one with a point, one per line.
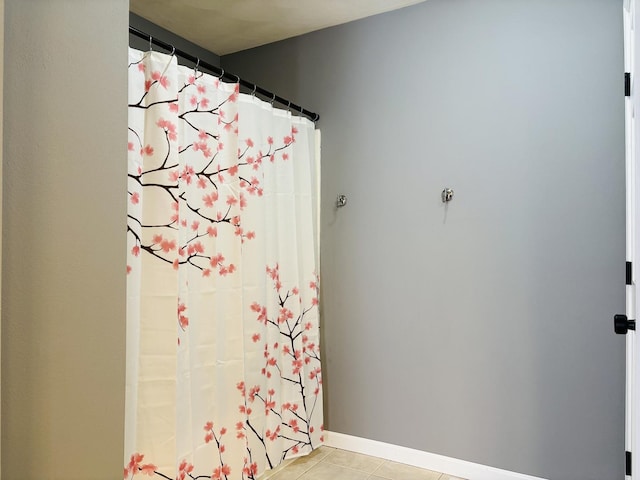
(150, 43)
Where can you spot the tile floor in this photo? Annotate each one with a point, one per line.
(328, 463)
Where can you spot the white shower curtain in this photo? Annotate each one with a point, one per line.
(223, 362)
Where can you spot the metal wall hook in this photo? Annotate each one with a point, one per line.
(447, 195)
(341, 201)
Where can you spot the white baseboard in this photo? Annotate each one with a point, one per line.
(418, 458)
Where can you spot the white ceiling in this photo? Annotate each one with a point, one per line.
(228, 26)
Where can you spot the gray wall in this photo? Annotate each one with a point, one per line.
(482, 330)
(64, 246)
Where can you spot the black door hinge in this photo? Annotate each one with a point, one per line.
(627, 84)
(627, 463)
(629, 273)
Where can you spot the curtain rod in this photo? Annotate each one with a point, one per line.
(272, 97)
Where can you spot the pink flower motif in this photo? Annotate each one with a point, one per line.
(135, 198)
(169, 128)
(173, 107)
(135, 251)
(167, 246)
(216, 259)
(147, 150)
(212, 231)
(142, 67)
(148, 469)
(210, 199)
(157, 76)
(294, 425)
(130, 146)
(287, 140)
(231, 200)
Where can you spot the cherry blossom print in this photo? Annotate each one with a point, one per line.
(227, 317)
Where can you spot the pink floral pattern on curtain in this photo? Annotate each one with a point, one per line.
(223, 359)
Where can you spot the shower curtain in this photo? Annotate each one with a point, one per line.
(223, 361)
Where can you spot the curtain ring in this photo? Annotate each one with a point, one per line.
(150, 43)
(195, 69)
(173, 50)
(316, 117)
(222, 74)
(273, 99)
(253, 94)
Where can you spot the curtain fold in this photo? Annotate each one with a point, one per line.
(223, 359)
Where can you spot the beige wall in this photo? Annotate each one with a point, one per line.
(63, 277)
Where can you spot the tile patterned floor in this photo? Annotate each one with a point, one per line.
(328, 463)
